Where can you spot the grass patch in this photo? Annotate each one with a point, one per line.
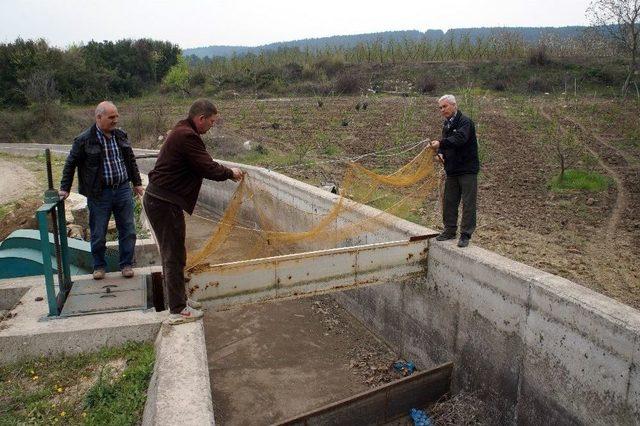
(103, 388)
(268, 159)
(580, 180)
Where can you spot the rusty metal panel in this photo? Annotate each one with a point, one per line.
(319, 267)
(392, 261)
(307, 273)
(233, 279)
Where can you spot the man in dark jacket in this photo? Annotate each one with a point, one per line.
(174, 185)
(458, 148)
(106, 169)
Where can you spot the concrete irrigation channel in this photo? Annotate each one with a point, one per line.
(542, 349)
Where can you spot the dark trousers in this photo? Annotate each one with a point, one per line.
(456, 188)
(118, 201)
(167, 221)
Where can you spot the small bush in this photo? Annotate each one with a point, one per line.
(197, 78)
(347, 83)
(330, 149)
(426, 84)
(265, 78)
(312, 73)
(599, 75)
(498, 86)
(538, 56)
(292, 71)
(177, 79)
(537, 84)
(237, 80)
(331, 67)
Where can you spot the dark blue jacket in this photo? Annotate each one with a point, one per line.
(459, 146)
(87, 154)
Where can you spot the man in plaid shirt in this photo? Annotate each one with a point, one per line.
(106, 171)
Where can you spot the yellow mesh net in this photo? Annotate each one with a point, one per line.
(254, 216)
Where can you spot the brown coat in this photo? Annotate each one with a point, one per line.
(181, 165)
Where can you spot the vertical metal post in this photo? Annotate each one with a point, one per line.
(46, 262)
(57, 229)
(65, 285)
(47, 154)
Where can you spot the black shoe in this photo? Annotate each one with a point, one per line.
(464, 240)
(444, 236)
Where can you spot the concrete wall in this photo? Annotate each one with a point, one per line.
(552, 352)
(541, 348)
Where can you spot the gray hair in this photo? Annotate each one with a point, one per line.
(102, 107)
(449, 99)
(202, 107)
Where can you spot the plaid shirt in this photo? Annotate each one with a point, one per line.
(113, 167)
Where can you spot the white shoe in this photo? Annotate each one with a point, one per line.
(194, 304)
(188, 314)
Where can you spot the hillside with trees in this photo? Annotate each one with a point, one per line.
(528, 34)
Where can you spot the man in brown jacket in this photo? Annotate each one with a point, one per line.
(174, 185)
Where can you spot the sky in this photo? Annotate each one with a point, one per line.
(195, 23)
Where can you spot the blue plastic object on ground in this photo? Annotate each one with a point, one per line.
(406, 368)
(420, 418)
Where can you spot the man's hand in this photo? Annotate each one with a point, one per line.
(63, 194)
(434, 144)
(139, 190)
(237, 174)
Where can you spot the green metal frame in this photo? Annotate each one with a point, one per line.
(55, 300)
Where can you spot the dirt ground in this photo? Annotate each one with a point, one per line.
(17, 196)
(588, 237)
(271, 361)
(15, 181)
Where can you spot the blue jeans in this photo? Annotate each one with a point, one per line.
(119, 202)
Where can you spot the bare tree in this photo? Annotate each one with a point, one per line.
(621, 20)
(40, 90)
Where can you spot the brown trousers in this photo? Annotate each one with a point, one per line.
(167, 221)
